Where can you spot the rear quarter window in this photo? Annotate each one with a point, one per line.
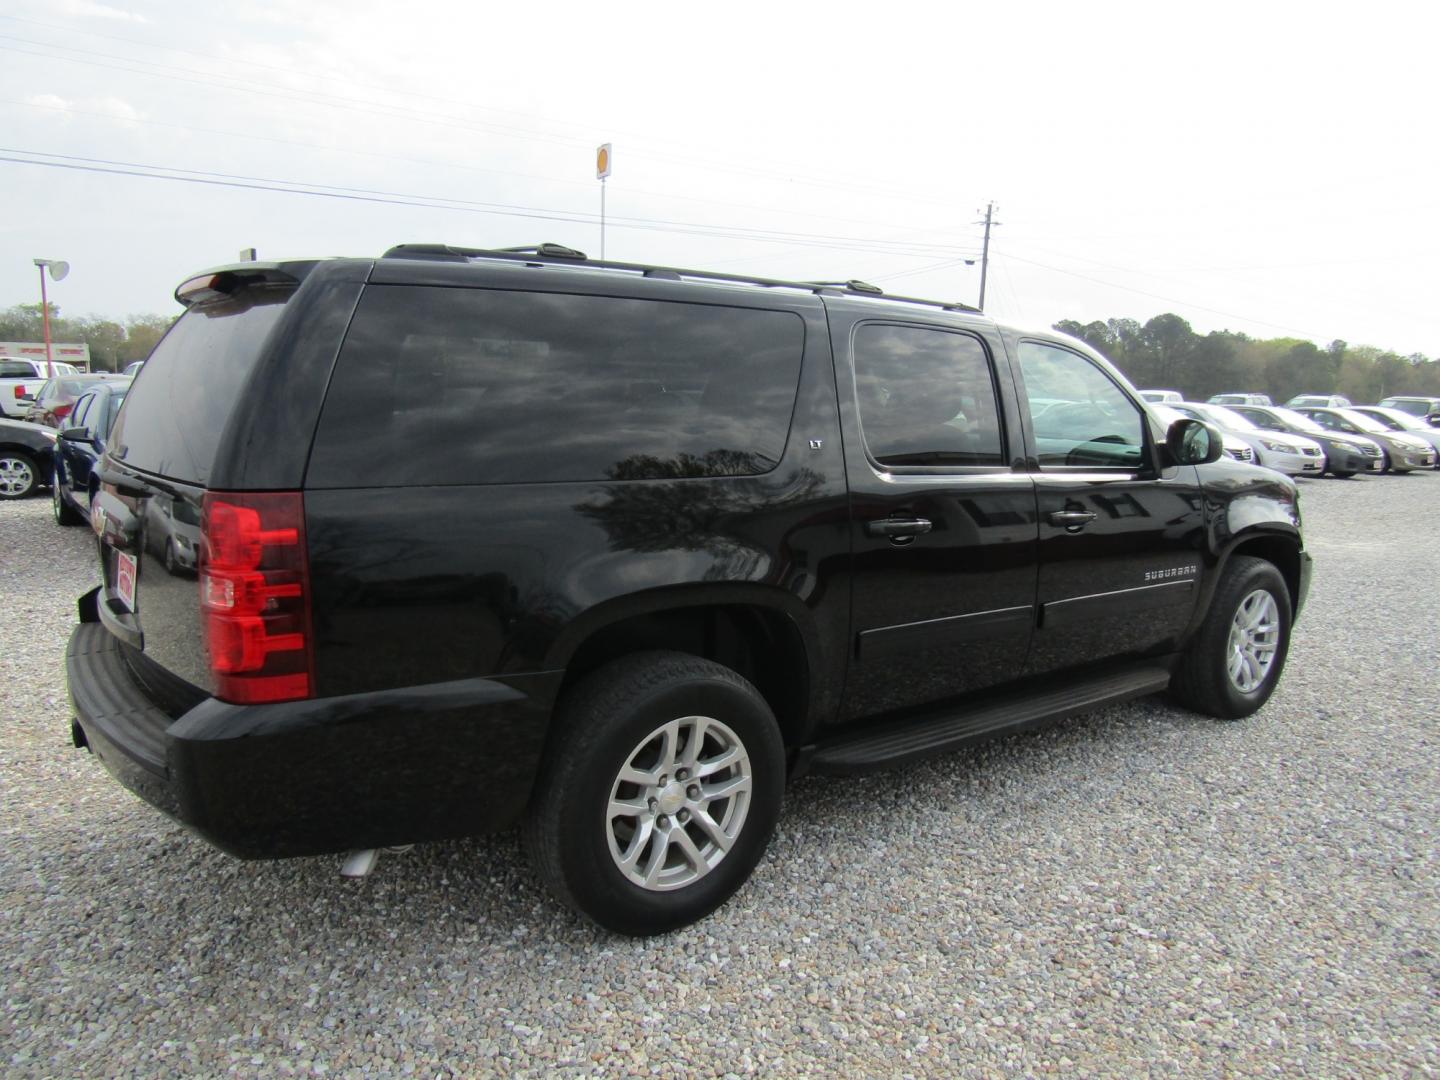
(476, 386)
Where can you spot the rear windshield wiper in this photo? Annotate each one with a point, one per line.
(124, 482)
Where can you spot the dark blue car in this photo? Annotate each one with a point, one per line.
(79, 447)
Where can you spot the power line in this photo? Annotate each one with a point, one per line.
(254, 183)
(430, 162)
(400, 112)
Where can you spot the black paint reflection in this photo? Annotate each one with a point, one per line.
(470, 386)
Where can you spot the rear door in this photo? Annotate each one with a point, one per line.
(1120, 539)
(942, 513)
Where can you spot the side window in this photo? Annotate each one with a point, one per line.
(1079, 415)
(483, 386)
(82, 407)
(1261, 420)
(926, 397)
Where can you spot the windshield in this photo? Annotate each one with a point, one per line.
(1299, 421)
(1363, 422)
(1228, 418)
(1214, 414)
(1396, 420)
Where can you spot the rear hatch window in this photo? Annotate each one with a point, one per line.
(167, 434)
(172, 424)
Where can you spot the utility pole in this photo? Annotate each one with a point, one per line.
(985, 251)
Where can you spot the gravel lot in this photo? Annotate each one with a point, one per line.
(1138, 891)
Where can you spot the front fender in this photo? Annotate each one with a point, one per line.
(1252, 511)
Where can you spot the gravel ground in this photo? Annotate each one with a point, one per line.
(1138, 891)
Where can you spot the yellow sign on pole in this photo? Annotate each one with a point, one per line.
(602, 161)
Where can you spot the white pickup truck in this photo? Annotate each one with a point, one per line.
(22, 376)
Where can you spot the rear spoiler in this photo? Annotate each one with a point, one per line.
(222, 281)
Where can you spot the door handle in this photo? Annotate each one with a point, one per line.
(1072, 519)
(895, 527)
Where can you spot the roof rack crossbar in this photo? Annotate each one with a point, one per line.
(565, 256)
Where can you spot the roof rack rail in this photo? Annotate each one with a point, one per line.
(559, 254)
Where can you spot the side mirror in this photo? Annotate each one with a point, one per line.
(77, 434)
(1193, 442)
(28, 399)
(1433, 419)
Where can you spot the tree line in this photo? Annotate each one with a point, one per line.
(1166, 354)
(1163, 353)
(112, 344)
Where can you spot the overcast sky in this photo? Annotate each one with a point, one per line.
(1258, 167)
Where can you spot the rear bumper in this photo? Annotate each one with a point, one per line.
(326, 775)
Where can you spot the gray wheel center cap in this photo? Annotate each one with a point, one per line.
(671, 797)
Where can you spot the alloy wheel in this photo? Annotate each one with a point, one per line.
(16, 477)
(679, 803)
(1254, 638)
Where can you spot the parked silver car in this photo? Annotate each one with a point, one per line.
(1293, 455)
(1345, 455)
(1403, 451)
(1399, 420)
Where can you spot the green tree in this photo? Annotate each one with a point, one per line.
(142, 332)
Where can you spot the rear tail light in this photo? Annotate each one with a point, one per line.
(63, 409)
(255, 596)
(19, 390)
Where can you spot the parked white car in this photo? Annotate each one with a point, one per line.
(22, 378)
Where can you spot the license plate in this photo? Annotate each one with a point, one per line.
(125, 579)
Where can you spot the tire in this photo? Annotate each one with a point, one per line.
(639, 718)
(65, 514)
(1225, 673)
(19, 475)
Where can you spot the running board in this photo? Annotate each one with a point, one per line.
(919, 737)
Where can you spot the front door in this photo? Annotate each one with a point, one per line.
(942, 516)
(1120, 538)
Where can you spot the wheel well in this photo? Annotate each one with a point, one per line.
(762, 645)
(1282, 553)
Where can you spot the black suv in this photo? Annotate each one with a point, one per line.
(488, 537)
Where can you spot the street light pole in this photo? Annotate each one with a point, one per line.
(58, 269)
(45, 314)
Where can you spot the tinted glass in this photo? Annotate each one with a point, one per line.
(475, 386)
(177, 414)
(926, 397)
(1080, 416)
(10, 369)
